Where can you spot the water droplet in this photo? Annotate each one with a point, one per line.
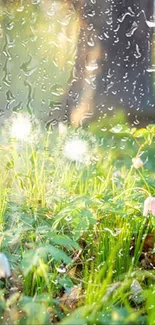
(137, 54)
(132, 29)
(91, 41)
(117, 128)
(1, 112)
(69, 218)
(35, 2)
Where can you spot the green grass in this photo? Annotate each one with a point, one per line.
(77, 227)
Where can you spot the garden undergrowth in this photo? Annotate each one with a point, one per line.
(72, 227)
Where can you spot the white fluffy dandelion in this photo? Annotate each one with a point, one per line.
(76, 150)
(21, 127)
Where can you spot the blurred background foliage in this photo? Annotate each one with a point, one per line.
(37, 51)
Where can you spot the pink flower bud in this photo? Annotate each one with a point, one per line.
(149, 206)
(137, 162)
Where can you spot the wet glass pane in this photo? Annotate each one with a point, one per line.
(80, 60)
(77, 152)
(38, 42)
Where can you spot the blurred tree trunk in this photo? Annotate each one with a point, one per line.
(129, 57)
(116, 37)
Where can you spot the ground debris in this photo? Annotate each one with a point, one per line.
(70, 299)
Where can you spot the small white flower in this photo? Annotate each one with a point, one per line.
(21, 127)
(149, 206)
(76, 150)
(4, 267)
(62, 129)
(137, 162)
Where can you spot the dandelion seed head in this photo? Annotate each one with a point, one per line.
(21, 127)
(76, 150)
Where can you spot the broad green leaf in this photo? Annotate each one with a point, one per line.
(65, 241)
(32, 257)
(36, 314)
(149, 137)
(82, 223)
(141, 133)
(76, 318)
(151, 128)
(87, 214)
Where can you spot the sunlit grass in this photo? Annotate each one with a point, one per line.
(72, 227)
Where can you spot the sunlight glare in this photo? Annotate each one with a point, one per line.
(21, 127)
